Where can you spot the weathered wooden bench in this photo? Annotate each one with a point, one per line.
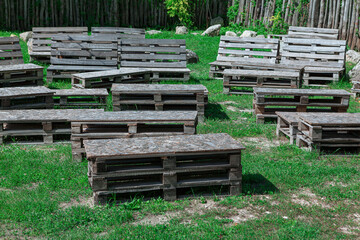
(287, 124)
(105, 79)
(324, 60)
(120, 33)
(26, 98)
(13, 71)
(38, 126)
(129, 124)
(275, 78)
(247, 50)
(77, 53)
(159, 97)
(268, 101)
(313, 33)
(80, 98)
(171, 167)
(41, 40)
(336, 132)
(165, 58)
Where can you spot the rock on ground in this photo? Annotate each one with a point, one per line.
(352, 56)
(30, 44)
(216, 21)
(152, 32)
(181, 30)
(212, 31)
(355, 73)
(13, 35)
(191, 56)
(248, 34)
(230, 34)
(25, 36)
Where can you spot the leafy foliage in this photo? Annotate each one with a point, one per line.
(181, 10)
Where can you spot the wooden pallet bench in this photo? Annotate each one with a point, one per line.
(26, 98)
(235, 78)
(129, 124)
(81, 98)
(13, 71)
(268, 101)
(313, 33)
(105, 79)
(168, 166)
(77, 53)
(21, 75)
(165, 58)
(159, 97)
(120, 33)
(41, 40)
(324, 60)
(247, 50)
(338, 132)
(45, 126)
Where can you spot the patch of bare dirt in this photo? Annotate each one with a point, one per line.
(6, 190)
(82, 201)
(307, 198)
(263, 143)
(334, 184)
(32, 186)
(227, 102)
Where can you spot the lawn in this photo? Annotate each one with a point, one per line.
(288, 193)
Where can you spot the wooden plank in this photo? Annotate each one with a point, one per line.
(25, 91)
(157, 88)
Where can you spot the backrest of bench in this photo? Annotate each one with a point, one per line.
(42, 36)
(84, 50)
(314, 52)
(120, 32)
(311, 33)
(232, 49)
(10, 51)
(153, 53)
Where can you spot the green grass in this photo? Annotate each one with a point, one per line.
(288, 193)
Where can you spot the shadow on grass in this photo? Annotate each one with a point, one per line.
(215, 111)
(254, 184)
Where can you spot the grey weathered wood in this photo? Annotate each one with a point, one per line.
(247, 50)
(267, 101)
(311, 33)
(10, 51)
(41, 49)
(77, 51)
(21, 75)
(159, 54)
(107, 78)
(24, 91)
(129, 124)
(160, 97)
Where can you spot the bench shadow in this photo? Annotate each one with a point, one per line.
(215, 112)
(254, 184)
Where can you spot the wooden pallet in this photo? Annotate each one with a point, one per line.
(38, 126)
(235, 78)
(247, 50)
(41, 43)
(267, 101)
(21, 75)
(313, 33)
(105, 79)
(159, 97)
(166, 165)
(165, 58)
(10, 51)
(26, 98)
(78, 53)
(81, 98)
(120, 33)
(329, 130)
(129, 124)
(324, 60)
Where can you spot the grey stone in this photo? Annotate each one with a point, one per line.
(191, 56)
(355, 72)
(212, 31)
(248, 34)
(230, 34)
(25, 36)
(152, 32)
(181, 30)
(352, 56)
(30, 44)
(216, 21)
